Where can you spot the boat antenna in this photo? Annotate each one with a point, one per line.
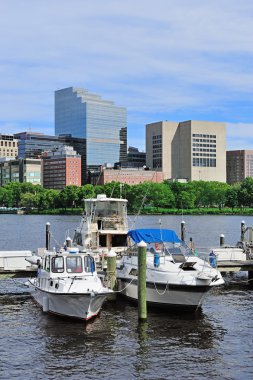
(182, 211)
(145, 196)
(114, 184)
(98, 179)
(160, 223)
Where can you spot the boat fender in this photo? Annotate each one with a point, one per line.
(156, 259)
(45, 304)
(212, 259)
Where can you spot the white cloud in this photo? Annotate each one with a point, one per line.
(239, 136)
(168, 59)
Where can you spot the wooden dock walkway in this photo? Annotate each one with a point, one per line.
(235, 266)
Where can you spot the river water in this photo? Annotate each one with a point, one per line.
(215, 343)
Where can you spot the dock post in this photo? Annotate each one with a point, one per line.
(142, 296)
(48, 236)
(250, 277)
(242, 230)
(111, 269)
(222, 240)
(183, 230)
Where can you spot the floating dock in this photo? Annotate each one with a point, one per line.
(14, 263)
(235, 266)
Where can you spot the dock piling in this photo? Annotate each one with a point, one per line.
(222, 240)
(142, 296)
(48, 233)
(111, 269)
(183, 230)
(243, 230)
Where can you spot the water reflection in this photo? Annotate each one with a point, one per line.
(214, 343)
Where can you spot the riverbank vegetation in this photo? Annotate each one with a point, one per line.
(196, 197)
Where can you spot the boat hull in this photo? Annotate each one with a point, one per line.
(81, 306)
(166, 295)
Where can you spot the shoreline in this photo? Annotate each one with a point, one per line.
(206, 211)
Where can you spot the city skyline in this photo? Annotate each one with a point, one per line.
(184, 60)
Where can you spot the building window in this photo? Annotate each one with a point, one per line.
(204, 162)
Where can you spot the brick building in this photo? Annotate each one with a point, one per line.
(61, 167)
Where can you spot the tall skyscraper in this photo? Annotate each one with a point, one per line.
(100, 122)
(191, 150)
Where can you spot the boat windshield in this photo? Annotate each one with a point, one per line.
(57, 264)
(108, 209)
(176, 250)
(74, 264)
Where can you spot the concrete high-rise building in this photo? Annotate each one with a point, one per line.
(61, 167)
(8, 146)
(191, 150)
(100, 122)
(239, 165)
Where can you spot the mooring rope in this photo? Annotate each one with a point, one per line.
(119, 291)
(162, 293)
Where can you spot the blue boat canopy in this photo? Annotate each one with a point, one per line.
(154, 236)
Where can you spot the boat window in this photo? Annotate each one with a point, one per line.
(74, 264)
(89, 264)
(102, 240)
(119, 240)
(57, 264)
(133, 272)
(47, 264)
(109, 209)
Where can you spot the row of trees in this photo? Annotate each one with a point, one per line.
(195, 194)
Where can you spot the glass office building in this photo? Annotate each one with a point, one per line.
(33, 144)
(100, 122)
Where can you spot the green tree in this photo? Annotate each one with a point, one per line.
(232, 196)
(158, 195)
(245, 192)
(186, 199)
(6, 197)
(69, 196)
(85, 192)
(28, 200)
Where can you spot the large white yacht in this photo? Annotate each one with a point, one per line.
(175, 277)
(103, 227)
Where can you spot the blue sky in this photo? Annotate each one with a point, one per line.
(162, 60)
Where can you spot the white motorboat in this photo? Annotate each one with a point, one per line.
(103, 227)
(67, 284)
(175, 277)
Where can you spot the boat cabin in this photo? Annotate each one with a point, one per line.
(68, 263)
(104, 224)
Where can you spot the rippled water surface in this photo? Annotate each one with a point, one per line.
(215, 343)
